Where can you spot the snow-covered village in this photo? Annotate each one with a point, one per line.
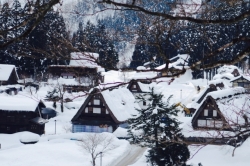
(124, 83)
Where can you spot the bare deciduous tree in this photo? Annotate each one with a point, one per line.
(96, 144)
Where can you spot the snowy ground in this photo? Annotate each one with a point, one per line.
(62, 149)
(53, 150)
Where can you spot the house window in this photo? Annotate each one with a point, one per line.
(144, 103)
(134, 86)
(89, 103)
(206, 112)
(214, 113)
(96, 110)
(241, 84)
(202, 123)
(218, 124)
(107, 112)
(210, 123)
(96, 102)
(86, 110)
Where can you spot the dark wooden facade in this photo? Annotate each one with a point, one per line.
(75, 88)
(74, 71)
(134, 87)
(95, 112)
(209, 116)
(235, 73)
(11, 80)
(241, 82)
(17, 121)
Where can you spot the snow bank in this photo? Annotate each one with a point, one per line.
(27, 137)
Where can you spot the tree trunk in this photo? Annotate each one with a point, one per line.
(93, 160)
(61, 105)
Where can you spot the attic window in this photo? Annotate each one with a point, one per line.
(205, 112)
(214, 113)
(134, 86)
(86, 110)
(96, 102)
(96, 110)
(107, 112)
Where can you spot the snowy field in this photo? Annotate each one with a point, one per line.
(61, 148)
(54, 150)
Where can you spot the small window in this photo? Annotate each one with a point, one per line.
(210, 123)
(202, 123)
(218, 124)
(96, 110)
(89, 103)
(205, 112)
(86, 110)
(214, 113)
(96, 102)
(134, 86)
(144, 103)
(107, 112)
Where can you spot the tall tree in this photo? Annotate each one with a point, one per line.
(157, 128)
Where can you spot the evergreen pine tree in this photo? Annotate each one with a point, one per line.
(159, 130)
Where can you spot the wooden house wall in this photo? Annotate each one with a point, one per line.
(77, 71)
(134, 87)
(236, 73)
(95, 113)
(12, 79)
(207, 119)
(16, 121)
(241, 82)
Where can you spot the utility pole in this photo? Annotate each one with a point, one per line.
(55, 126)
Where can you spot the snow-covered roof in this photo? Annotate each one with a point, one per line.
(121, 102)
(86, 59)
(228, 69)
(5, 71)
(232, 102)
(145, 87)
(18, 103)
(220, 93)
(244, 77)
(177, 62)
(188, 8)
(235, 108)
(144, 75)
(226, 93)
(141, 68)
(39, 120)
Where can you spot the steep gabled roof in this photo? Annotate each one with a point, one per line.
(18, 103)
(197, 113)
(5, 71)
(240, 77)
(233, 105)
(143, 88)
(119, 102)
(177, 62)
(86, 59)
